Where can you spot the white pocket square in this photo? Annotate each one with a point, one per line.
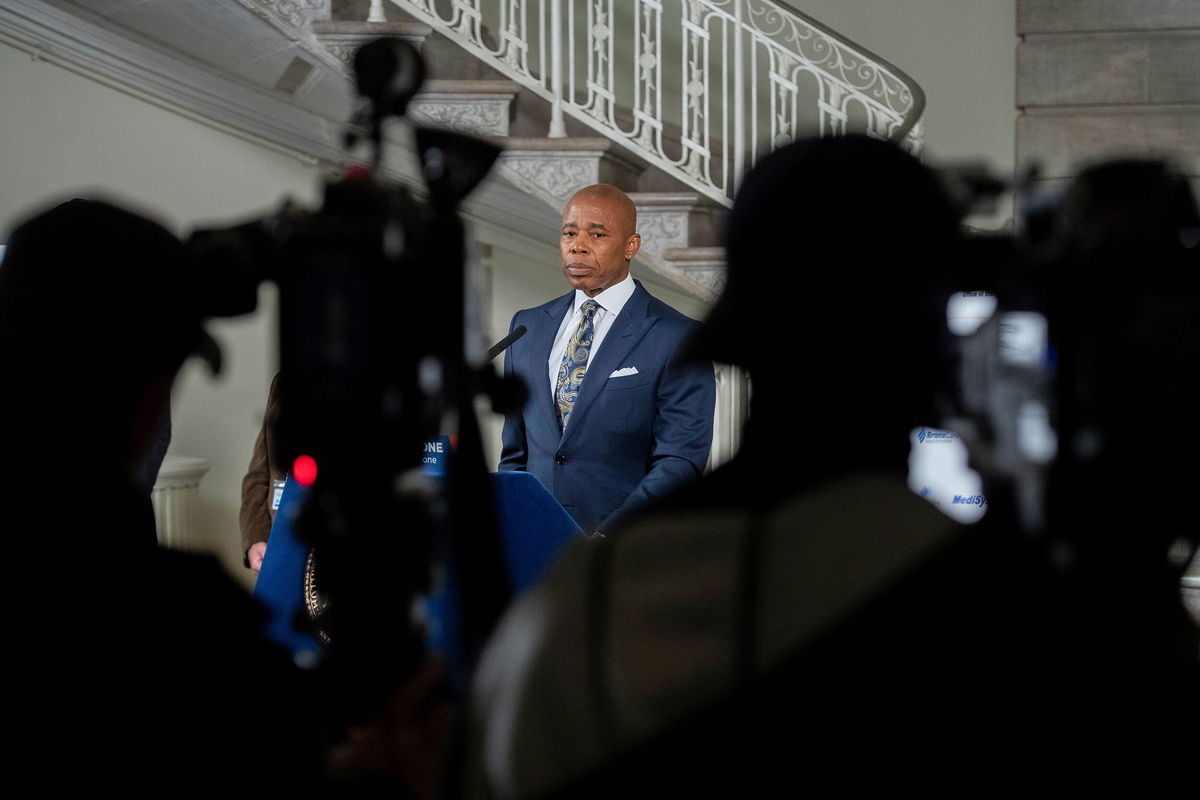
(624, 372)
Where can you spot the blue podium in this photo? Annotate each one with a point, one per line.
(280, 584)
(533, 528)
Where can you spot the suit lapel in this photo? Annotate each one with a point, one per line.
(539, 358)
(627, 330)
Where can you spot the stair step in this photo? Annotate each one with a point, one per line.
(679, 232)
(679, 228)
(554, 169)
(702, 269)
(478, 107)
(676, 219)
(342, 37)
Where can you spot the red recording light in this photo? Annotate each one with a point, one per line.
(304, 470)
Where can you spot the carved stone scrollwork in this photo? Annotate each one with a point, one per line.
(661, 230)
(296, 14)
(554, 169)
(468, 116)
(339, 40)
(677, 233)
(343, 52)
(481, 108)
(553, 178)
(673, 220)
(712, 279)
(700, 270)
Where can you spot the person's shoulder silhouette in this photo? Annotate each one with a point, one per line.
(135, 663)
(837, 249)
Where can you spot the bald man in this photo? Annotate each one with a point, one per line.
(613, 417)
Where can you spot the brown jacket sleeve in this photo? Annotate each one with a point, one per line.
(256, 515)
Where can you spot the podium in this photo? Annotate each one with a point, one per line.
(533, 525)
(280, 585)
(533, 528)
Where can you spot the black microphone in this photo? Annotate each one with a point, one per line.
(502, 345)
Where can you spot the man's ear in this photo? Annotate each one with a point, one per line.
(632, 246)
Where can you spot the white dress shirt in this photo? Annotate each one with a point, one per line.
(611, 301)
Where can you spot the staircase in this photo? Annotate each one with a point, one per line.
(671, 100)
(271, 73)
(581, 92)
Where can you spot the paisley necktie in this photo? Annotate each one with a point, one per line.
(574, 363)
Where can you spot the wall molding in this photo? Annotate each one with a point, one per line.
(170, 80)
(85, 44)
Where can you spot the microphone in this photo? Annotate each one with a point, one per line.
(502, 345)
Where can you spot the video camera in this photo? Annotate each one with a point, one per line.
(371, 341)
(1074, 398)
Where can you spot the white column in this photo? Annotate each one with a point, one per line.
(175, 499)
(733, 406)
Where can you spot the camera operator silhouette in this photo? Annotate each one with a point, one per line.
(1111, 266)
(132, 666)
(799, 619)
(835, 247)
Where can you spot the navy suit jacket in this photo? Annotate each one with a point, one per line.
(630, 438)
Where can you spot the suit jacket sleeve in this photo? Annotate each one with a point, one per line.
(683, 429)
(514, 453)
(255, 515)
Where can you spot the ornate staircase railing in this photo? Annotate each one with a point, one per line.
(699, 88)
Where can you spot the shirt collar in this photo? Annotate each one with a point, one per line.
(612, 299)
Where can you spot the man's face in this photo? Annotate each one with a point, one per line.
(597, 242)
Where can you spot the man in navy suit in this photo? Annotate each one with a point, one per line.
(613, 418)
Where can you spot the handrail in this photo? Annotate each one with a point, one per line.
(917, 108)
(701, 89)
